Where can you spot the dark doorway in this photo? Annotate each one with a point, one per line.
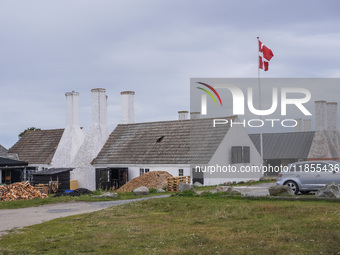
(12, 170)
(197, 176)
(6, 177)
(111, 178)
(11, 176)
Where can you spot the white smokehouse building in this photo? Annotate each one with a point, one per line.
(135, 148)
(71, 147)
(176, 147)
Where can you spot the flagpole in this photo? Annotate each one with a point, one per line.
(260, 98)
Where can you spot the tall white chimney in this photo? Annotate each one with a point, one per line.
(99, 107)
(332, 124)
(72, 108)
(332, 128)
(298, 127)
(195, 115)
(72, 137)
(320, 115)
(183, 115)
(93, 142)
(325, 143)
(128, 111)
(307, 124)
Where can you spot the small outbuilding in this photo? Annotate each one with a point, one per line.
(11, 170)
(62, 175)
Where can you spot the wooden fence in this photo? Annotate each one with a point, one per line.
(172, 183)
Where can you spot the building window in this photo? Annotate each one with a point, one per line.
(180, 172)
(246, 154)
(240, 154)
(143, 171)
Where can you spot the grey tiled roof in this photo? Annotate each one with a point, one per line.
(3, 150)
(165, 142)
(293, 145)
(38, 146)
(4, 153)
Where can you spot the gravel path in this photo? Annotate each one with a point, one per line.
(258, 190)
(19, 218)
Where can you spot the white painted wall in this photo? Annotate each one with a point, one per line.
(86, 177)
(236, 136)
(173, 170)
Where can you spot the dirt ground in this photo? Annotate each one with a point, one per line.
(255, 190)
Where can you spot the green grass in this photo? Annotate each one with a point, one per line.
(53, 200)
(205, 188)
(188, 225)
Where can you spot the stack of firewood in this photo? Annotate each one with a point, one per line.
(19, 191)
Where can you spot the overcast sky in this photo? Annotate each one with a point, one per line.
(152, 47)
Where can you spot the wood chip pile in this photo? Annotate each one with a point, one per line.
(19, 191)
(154, 179)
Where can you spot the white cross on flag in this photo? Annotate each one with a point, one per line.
(265, 55)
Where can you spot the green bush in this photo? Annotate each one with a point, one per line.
(152, 190)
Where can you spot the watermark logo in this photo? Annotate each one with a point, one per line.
(255, 106)
(239, 100)
(204, 96)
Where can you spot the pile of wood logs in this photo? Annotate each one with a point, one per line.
(154, 179)
(19, 191)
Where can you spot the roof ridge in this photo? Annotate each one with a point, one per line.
(54, 129)
(171, 121)
(293, 132)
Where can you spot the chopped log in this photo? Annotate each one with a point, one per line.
(19, 191)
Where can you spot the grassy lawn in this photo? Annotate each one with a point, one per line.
(188, 225)
(88, 198)
(52, 200)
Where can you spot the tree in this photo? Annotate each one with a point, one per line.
(26, 130)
